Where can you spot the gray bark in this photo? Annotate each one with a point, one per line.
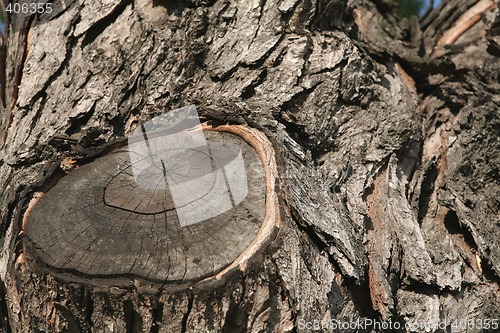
(386, 134)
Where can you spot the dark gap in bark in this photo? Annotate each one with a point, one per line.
(449, 101)
(117, 123)
(220, 117)
(79, 122)
(128, 313)
(359, 290)
(209, 312)
(224, 76)
(309, 236)
(304, 15)
(43, 99)
(420, 69)
(62, 142)
(296, 131)
(419, 287)
(369, 190)
(367, 220)
(157, 317)
(89, 309)
(236, 317)
(424, 88)
(394, 268)
(286, 297)
(493, 48)
(133, 321)
(99, 27)
(336, 299)
(279, 59)
(188, 312)
(174, 7)
(59, 7)
(77, 295)
(488, 271)
(78, 307)
(410, 156)
(249, 90)
(454, 227)
(285, 18)
(426, 190)
(4, 310)
(295, 103)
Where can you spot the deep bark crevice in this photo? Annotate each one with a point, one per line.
(185, 317)
(249, 90)
(4, 310)
(98, 28)
(454, 227)
(426, 190)
(133, 321)
(157, 317)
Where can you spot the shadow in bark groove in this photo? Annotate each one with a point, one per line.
(426, 191)
(101, 25)
(133, 321)
(157, 317)
(4, 310)
(188, 312)
(454, 227)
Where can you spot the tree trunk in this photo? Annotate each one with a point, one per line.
(386, 138)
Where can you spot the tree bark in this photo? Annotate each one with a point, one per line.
(386, 135)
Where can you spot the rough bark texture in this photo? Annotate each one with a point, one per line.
(386, 132)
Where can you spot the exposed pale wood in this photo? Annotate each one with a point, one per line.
(465, 22)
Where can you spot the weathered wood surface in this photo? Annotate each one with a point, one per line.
(103, 219)
(387, 133)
